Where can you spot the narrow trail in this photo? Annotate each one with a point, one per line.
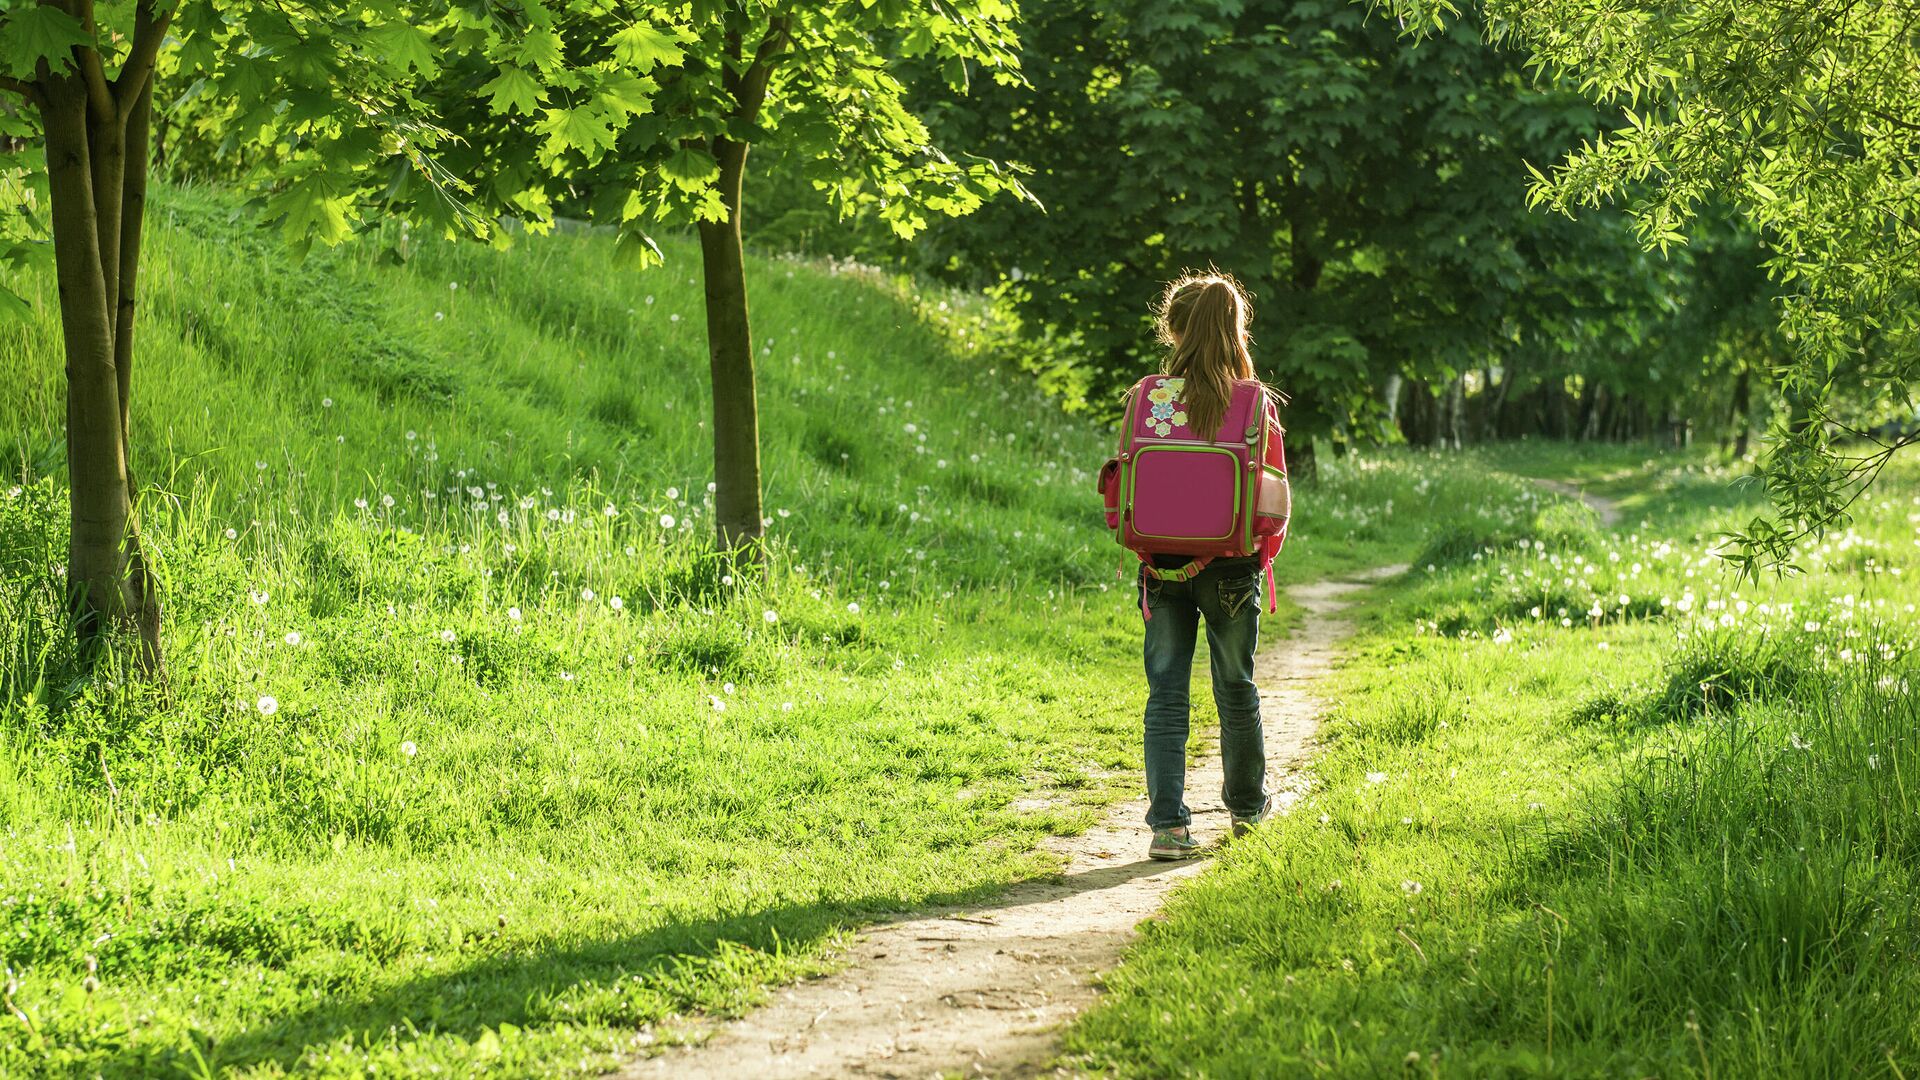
(1607, 509)
(984, 990)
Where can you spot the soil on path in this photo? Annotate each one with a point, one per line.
(1608, 512)
(984, 990)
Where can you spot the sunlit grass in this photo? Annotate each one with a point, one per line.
(1588, 805)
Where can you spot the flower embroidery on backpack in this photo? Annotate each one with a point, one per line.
(1168, 411)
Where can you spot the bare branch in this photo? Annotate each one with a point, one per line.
(149, 30)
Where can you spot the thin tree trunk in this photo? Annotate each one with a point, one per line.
(736, 407)
(736, 411)
(1390, 396)
(1302, 467)
(133, 212)
(92, 126)
(1595, 410)
(100, 506)
(1496, 404)
(1742, 411)
(1456, 412)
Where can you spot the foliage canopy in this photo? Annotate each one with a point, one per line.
(1802, 117)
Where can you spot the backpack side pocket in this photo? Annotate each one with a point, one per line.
(1110, 491)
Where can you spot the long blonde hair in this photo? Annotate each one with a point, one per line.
(1203, 319)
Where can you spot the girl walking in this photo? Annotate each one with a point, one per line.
(1208, 381)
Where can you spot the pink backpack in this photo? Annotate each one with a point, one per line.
(1173, 491)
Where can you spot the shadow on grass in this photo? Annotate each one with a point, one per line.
(716, 966)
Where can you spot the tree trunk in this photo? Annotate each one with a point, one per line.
(1390, 396)
(1496, 404)
(87, 167)
(1456, 412)
(133, 218)
(736, 409)
(1742, 411)
(1593, 412)
(1301, 465)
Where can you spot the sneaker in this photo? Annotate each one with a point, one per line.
(1244, 825)
(1173, 844)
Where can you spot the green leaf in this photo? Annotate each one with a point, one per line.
(642, 48)
(637, 251)
(542, 49)
(514, 90)
(690, 169)
(14, 306)
(628, 93)
(406, 47)
(36, 32)
(312, 208)
(585, 129)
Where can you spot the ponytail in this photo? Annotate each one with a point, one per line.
(1203, 319)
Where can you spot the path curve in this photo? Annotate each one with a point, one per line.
(1607, 510)
(984, 990)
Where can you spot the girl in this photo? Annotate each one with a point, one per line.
(1202, 319)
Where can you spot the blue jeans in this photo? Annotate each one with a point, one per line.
(1229, 599)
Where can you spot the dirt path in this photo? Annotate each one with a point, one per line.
(1608, 511)
(984, 990)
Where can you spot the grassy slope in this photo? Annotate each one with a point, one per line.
(607, 815)
(1675, 838)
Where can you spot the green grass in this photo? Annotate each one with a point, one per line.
(1587, 806)
(471, 757)
(418, 795)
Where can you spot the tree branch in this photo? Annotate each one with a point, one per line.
(25, 89)
(750, 89)
(149, 30)
(87, 60)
